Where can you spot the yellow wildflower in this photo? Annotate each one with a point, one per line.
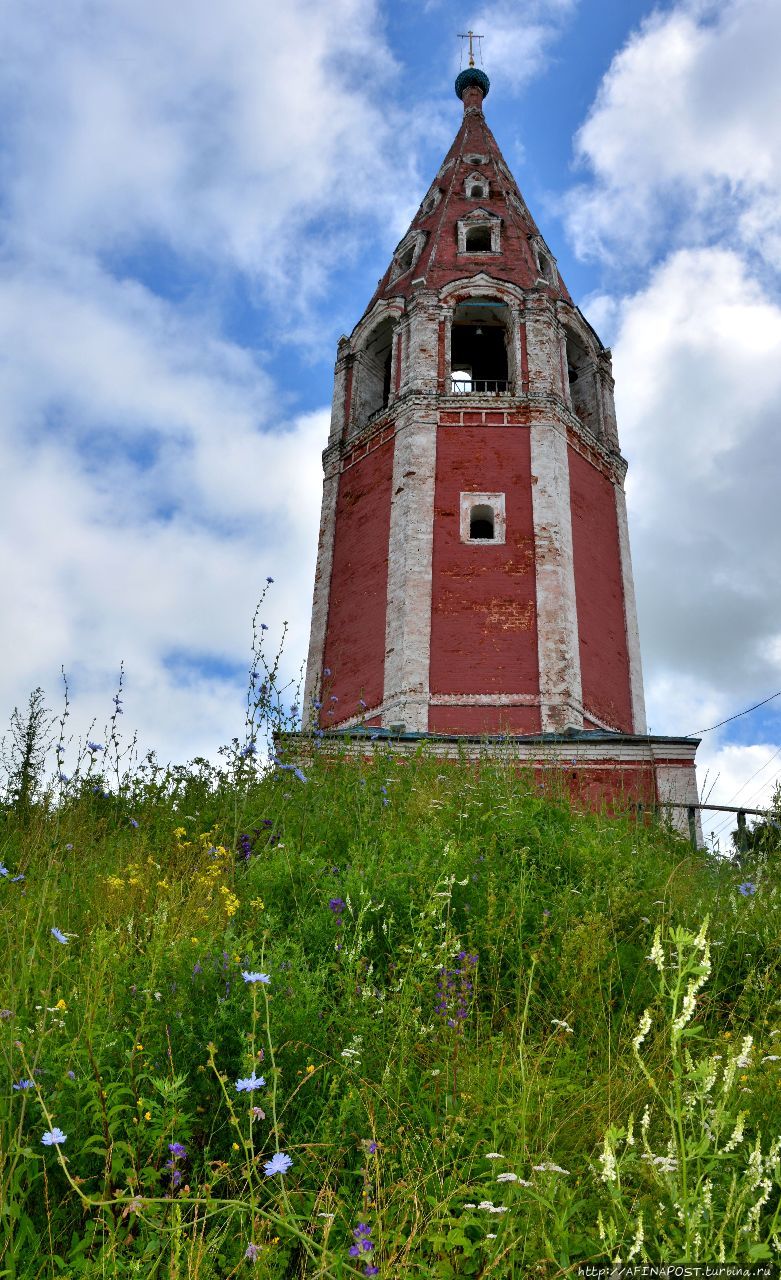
(234, 1146)
(61, 1005)
(257, 904)
(309, 1069)
(139, 1048)
(147, 1115)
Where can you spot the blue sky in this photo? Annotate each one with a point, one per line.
(195, 202)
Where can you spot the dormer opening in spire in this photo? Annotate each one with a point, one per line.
(478, 348)
(479, 232)
(407, 254)
(476, 187)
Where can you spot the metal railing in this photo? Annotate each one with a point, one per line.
(691, 813)
(479, 386)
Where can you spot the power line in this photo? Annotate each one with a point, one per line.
(737, 716)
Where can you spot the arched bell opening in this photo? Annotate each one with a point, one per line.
(478, 347)
(582, 382)
(374, 373)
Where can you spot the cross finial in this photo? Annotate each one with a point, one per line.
(470, 36)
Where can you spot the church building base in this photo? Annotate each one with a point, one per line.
(599, 770)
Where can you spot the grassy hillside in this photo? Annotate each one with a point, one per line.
(426, 986)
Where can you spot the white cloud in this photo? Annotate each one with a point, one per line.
(698, 389)
(684, 139)
(153, 488)
(220, 133)
(518, 36)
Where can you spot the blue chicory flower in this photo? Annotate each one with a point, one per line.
(279, 1163)
(24, 1084)
(747, 888)
(255, 977)
(60, 936)
(252, 1082)
(53, 1137)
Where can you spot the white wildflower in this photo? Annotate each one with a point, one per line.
(498, 1208)
(547, 1166)
(494, 1155)
(687, 1009)
(772, 1057)
(601, 1226)
(630, 1132)
(744, 1058)
(701, 940)
(657, 950)
(608, 1161)
(328, 1216)
(646, 1120)
(507, 1177)
(490, 1235)
(642, 1030)
(637, 1243)
(486, 1204)
(563, 1026)
(737, 1132)
(470, 1204)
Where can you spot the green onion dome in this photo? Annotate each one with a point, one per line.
(472, 75)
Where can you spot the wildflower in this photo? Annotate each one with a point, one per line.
(301, 777)
(494, 1155)
(608, 1161)
(269, 580)
(252, 1253)
(771, 1057)
(547, 1166)
(250, 1083)
(71, 1075)
(3, 870)
(53, 1137)
(370, 1270)
(744, 1058)
(279, 1163)
(94, 746)
(5, 1014)
(17, 879)
(657, 951)
(257, 1113)
(255, 977)
(747, 888)
(737, 1133)
(178, 1150)
(642, 1031)
(133, 823)
(24, 1084)
(563, 1026)
(60, 936)
(147, 1115)
(507, 1177)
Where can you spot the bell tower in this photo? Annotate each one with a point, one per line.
(474, 574)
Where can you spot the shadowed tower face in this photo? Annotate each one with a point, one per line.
(473, 574)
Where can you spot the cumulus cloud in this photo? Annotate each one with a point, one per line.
(683, 141)
(518, 37)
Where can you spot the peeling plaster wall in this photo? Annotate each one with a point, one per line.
(599, 593)
(355, 638)
(483, 624)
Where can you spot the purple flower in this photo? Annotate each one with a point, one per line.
(251, 1082)
(60, 936)
(747, 888)
(263, 626)
(371, 1271)
(5, 1014)
(371, 1148)
(326, 671)
(301, 777)
(3, 870)
(252, 1253)
(279, 1163)
(71, 1075)
(94, 746)
(53, 1137)
(24, 1084)
(16, 879)
(255, 977)
(133, 823)
(178, 1150)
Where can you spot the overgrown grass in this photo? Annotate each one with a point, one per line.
(453, 1039)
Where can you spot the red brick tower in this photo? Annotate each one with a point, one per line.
(474, 572)
(474, 575)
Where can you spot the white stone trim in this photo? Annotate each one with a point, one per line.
(630, 615)
(321, 595)
(679, 785)
(410, 551)
(479, 218)
(557, 619)
(493, 500)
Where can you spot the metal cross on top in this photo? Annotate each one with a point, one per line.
(470, 35)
